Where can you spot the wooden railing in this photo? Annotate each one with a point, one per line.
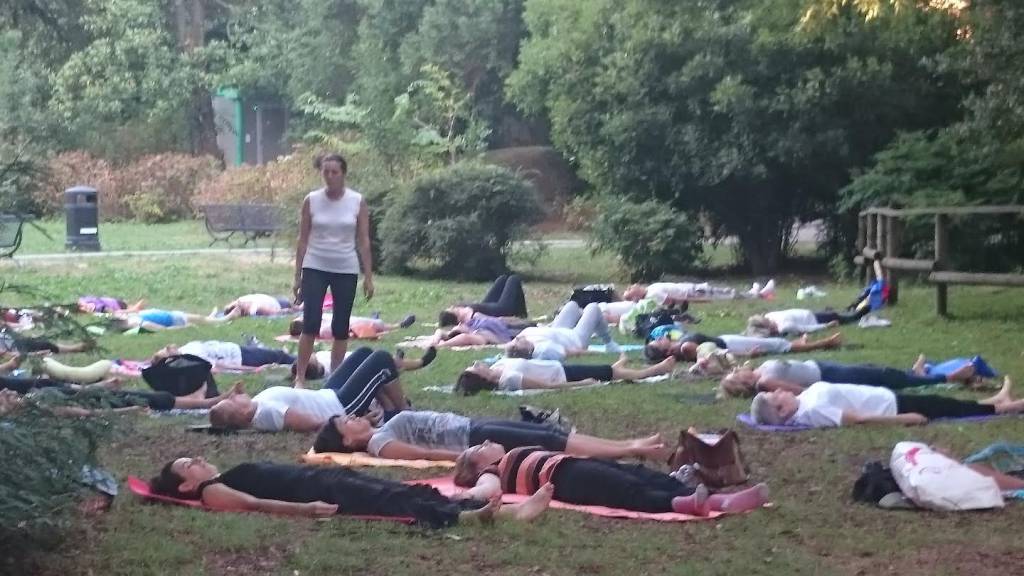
(880, 236)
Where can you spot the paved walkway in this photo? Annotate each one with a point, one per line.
(284, 252)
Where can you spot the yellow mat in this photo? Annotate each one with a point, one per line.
(364, 459)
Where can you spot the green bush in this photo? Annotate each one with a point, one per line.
(461, 221)
(649, 238)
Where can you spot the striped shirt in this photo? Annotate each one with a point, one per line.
(524, 470)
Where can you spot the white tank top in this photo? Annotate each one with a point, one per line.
(332, 236)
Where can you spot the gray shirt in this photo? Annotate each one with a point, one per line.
(432, 430)
(799, 372)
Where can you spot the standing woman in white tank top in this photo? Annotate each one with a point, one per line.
(334, 243)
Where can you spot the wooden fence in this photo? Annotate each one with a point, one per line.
(880, 236)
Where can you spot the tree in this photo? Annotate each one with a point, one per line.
(724, 108)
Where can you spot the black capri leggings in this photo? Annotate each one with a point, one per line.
(595, 482)
(511, 434)
(23, 385)
(505, 298)
(869, 375)
(577, 372)
(931, 406)
(826, 316)
(359, 378)
(314, 288)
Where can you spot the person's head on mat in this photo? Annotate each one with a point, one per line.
(635, 292)
(182, 477)
(660, 348)
(758, 325)
(295, 328)
(234, 412)
(453, 315)
(774, 408)
(314, 369)
(476, 378)
(741, 382)
(165, 352)
(343, 434)
(474, 460)
(519, 348)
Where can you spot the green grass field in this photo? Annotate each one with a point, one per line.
(813, 527)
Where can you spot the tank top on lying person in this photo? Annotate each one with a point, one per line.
(524, 470)
(214, 351)
(272, 404)
(495, 326)
(352, 491)
(332, 234)
(513, 370)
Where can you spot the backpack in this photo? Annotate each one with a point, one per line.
(181, 375)
(875, 481)
(647, 322)
(590, 294)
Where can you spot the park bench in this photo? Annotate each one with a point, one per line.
(10, 234)
(251, 221)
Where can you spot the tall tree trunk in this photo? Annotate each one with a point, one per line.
(190, 20)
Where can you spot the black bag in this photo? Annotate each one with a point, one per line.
(647, 322)
(875, 482)
(181, 375)
(591, 294)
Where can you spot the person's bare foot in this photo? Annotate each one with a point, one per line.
(834, 341)
(658, 452)
(918, 367)
(962, 374)
(110, 384)
(298, 383)
(531, 508)
(1004, 394)
(652, 440)
(802, 339)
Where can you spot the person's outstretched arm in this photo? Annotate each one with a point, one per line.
(363, 247)
(487, 486)
(220, 497)
(298, 421)
(305, 224)
(401, 451)
(910, 419)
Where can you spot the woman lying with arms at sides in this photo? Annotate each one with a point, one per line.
(824, 405)
(154, 319)
(489, 470)
(17, 390)
(689, 347)
(358, 326)
(797, 375)
(257, 305)
(319, 491)
(510, 374)
(107, 305)
(568, 334)
(422, 435)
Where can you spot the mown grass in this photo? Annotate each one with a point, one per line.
(814, 528)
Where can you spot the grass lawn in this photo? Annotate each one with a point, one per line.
(813, 528)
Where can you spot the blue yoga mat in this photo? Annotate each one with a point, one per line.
(949, 366)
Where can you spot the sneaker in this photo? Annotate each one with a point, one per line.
(251, 341)
(872, 321)
(767, 290)
(407, 321)
(896, 501)
(755, 290)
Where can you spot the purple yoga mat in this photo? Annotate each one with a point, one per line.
(747, 420)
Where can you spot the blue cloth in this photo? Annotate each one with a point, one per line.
(949, 366)
(671, 330)
(161, 317)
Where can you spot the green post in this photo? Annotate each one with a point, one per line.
(232, 94)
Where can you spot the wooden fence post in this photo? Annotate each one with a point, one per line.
(862, 232)
(941, 255)
(892, 250)
(869, 238)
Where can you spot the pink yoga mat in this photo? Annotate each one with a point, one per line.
(141, 488)
(446, 486)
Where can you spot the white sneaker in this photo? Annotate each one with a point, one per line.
(768, 289)
(755, 289)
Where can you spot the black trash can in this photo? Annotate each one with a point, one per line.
(81, 211)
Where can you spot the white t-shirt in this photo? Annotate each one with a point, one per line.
(795, 321)
(272, 403)
(513, 370)
(804, 372)
(432, 430)
(324, 358)
(744, 345)
(214, 351)
(822, 404)
(551, 343)
(332, 234)
(660, 292)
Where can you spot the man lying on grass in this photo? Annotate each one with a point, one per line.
(511, 374)
(325, 491)
(824, 405)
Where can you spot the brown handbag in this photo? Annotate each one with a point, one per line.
(720, 463)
